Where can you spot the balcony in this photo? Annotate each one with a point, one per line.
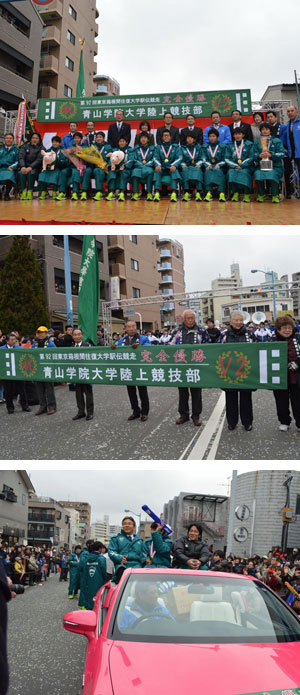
(115, 243)
(165, 253)
(101, 88)
(48, 93)
(41, 518)
(167, 279)
(52, 11)
(48, 65)
(164, 266)
(118, 270)
(34, 536)
(169, 306)
(51, 35)
(167, 291)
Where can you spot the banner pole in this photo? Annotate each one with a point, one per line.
(68, 287)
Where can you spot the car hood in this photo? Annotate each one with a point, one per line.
(233, 669)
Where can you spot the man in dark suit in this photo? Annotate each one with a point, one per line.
(238, 123)
(83, 389)
(191, 129)
(172, 128)
(118, 130)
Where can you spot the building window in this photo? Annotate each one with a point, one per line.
(71, 37)
(133, 238)
(136, 292)
(68, 91)
(298, 504)
(69, 63)
(72, 12)
(134, 264)
(23, 500)
(58, 240)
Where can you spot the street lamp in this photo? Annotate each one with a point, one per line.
(135, 514)
(273, 287)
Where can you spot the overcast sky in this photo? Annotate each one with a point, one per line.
(172, 46)
(110, 492)
(208, 256)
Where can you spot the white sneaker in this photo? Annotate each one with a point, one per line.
(283, 428)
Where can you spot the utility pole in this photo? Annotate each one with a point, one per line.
(68, 287)
(297, 90)
(285, 527)
(231, 513)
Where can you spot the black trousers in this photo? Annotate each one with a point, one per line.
(143, 393)
(239, 402)
(11, 390)
(196, 395)
(283, 400)
(81, 390)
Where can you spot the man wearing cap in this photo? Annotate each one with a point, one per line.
(45, 389)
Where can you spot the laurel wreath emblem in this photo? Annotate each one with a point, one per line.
(241, 377)
(28, 365)
(222, 102)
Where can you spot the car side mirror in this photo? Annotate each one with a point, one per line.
(81, 622)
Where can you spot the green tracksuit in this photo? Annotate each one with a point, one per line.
(94, 576)
(213, 154)
(132, 546)
(100, 174)
(143, 167)
(276, 149)
(118, 178)
(9, 157)
(159, 550)
(240, 179)
(73, 562)
(167, 155)
(191, 164)
(82, 582)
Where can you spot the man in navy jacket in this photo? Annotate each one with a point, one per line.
(118, 130)
(134, 339)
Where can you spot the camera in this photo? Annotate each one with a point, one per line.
(17, 588)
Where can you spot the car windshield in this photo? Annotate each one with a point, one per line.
(204, 609)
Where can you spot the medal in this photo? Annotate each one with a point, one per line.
(192, 156)
(166, 153)
(213, 153)
(144, 155)
(239, 151)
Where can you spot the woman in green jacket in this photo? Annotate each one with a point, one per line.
(126, 549)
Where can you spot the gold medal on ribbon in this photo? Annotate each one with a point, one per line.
(193, 161)
(166, 159)
(213, 160)
(239, 161)
(144, 161)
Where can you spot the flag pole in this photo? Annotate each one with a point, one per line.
(68, 287)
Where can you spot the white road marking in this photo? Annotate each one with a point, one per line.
(210, 435)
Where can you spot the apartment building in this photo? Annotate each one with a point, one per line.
(295, 294)
(84, 509)
(67, 21)
(105, 86)
(194, 507)
(48, 522)
(100, 530)
(133, 261)
(172, 280)
(49, 250)
(21, 28)
(15, 488)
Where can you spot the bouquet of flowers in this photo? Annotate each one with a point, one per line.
(91, 154)
(72, 155)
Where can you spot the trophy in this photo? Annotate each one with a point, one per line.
(266, 164)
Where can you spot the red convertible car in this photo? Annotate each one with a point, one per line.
(171, 632)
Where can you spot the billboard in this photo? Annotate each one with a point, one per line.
(144, 106)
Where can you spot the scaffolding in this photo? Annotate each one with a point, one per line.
(184, 298)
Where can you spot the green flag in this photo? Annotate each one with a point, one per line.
(80, 87)
(89, 290)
